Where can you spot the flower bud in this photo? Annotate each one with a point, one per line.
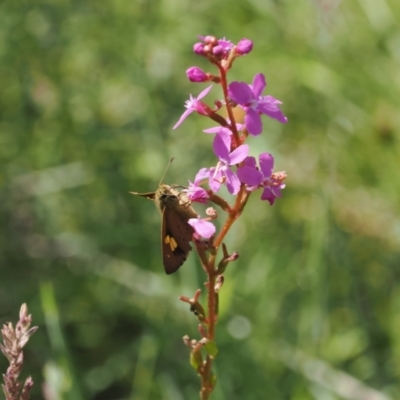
(218, 50)
(244, 46)
(210, 40)
(196, 74)
(198, 48)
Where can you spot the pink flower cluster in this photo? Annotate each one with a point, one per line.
(234, 167)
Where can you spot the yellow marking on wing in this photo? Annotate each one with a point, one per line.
(171, 241)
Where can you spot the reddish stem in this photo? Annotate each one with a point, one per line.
(207, 384)
(212, 317)
(224, 85)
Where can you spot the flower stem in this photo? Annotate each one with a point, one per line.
(224, 86)
(207, 384)
(207, 380)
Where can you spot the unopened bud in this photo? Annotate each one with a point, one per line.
(244, 46)
(196, 74)
(198, 48)
(210, 40)
(218, 50)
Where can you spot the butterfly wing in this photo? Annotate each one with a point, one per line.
(176, 233)
(175, 239)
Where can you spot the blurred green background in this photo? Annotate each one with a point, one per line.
(89, 92)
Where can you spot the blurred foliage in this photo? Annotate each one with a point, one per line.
(89, 93)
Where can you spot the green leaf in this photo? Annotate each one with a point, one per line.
(196, 360)
(211, 348)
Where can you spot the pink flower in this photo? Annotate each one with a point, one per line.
(222, 172)
(250, 99)
(254, 177)
(193, 104)
(194, 191)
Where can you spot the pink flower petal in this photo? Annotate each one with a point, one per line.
(253, 122)
(266, 164)
(183, 117)
(258, 85)
(249, 176)
(204, 228)
(222, 146)
(202, 174)
(232, 182)
(239, 154)
(240, 92)
(250, 162)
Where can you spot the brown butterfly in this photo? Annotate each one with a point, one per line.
(176, 233)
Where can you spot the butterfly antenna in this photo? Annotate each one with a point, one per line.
(166, 169)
